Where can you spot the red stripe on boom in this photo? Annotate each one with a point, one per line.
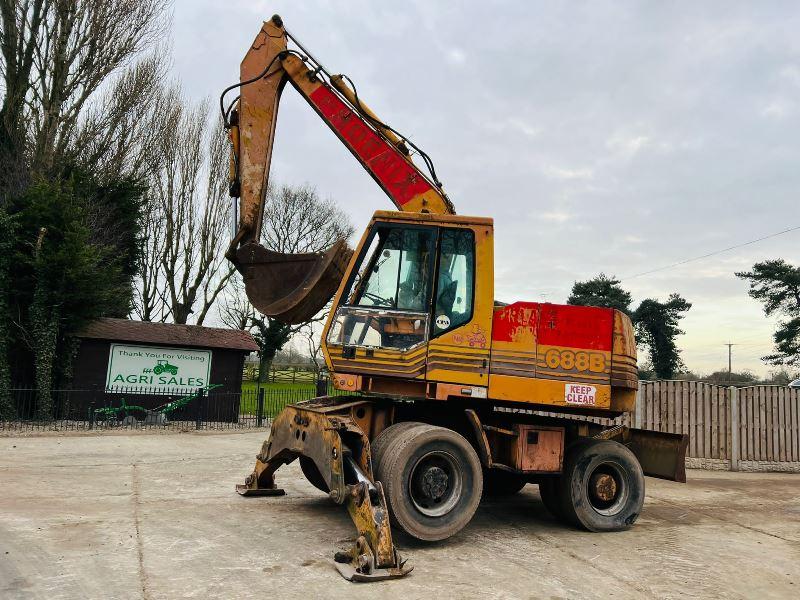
(399, 179)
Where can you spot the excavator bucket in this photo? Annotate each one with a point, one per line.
(291, 288)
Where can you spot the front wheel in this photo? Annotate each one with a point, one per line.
(602, 486)
(432, 479)
(314, 477)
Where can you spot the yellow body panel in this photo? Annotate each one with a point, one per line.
(531, 390)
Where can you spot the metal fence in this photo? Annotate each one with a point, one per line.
(85, 409)
(758, 424)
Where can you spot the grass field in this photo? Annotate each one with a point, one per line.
(276, 396)
(251, 387)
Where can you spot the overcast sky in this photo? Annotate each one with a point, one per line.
(601, 136)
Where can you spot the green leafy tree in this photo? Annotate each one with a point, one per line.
(656, 326)
(63, 274)
(77, 82)
(776, 284)
(7, 236)
(601, 291)
(656, 322)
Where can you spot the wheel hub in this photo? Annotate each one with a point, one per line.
(603, 487)
(434, 482)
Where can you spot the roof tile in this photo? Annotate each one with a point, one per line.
(125, 330)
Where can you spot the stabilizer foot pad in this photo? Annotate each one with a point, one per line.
(243, 490)
(347, 571)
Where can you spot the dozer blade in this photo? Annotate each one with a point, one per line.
(291, 288)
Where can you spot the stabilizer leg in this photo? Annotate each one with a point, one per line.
(317, 432)
(373, 557)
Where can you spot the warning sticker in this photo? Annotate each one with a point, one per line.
(575, 393)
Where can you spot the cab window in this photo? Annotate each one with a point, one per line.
(456, 280)
(388, 300)
(398, 270)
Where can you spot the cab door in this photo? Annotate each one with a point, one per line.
(461, 318)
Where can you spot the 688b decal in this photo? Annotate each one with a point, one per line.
(575, 360)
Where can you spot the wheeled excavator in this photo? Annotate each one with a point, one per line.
(444, 394)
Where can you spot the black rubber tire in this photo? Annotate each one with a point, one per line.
(497, 483)
(397, 465)
(313, 475)
(588, 457)
(551, 498)
(384, 438)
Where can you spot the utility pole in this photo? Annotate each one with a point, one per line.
(730, 362)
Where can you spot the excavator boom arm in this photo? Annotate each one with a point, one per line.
(292, 288)
(266, 68)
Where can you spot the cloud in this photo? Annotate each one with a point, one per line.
(633, 239)
(778, 108)
(456, 56)
(555, 216)
(566, 174)
(643, 129)
(627, 146)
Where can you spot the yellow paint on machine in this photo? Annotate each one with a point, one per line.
(530, 390)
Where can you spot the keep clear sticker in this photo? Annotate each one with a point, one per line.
(576, 393)
(442, 321)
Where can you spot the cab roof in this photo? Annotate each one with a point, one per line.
(392, 215)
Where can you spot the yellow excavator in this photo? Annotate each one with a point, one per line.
(447, 394)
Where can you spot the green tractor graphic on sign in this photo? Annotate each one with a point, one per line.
(163, 366)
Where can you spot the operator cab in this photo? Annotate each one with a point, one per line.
(409, 284)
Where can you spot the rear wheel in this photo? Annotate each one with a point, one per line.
(551, 498)
(602, 486)
(432, 479)
(502, 483)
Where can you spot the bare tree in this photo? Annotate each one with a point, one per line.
(118, 134)
(296, 219)
(235, 310)
(312, 336)
(56, 56)
(149, 303)
(81, 44)
(182, 268)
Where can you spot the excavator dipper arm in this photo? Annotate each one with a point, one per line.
(293, 288)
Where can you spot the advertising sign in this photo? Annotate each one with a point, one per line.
(146, 368)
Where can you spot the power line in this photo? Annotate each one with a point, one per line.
(688, 260)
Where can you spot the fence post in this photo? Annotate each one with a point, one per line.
(637, 413)
(733, 394)
(260, 413)
(200, 395)
(91, 414)
(322, 385)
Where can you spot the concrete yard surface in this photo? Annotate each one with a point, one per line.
(156, 516)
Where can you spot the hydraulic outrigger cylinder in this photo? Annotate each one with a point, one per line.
(326, 431)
